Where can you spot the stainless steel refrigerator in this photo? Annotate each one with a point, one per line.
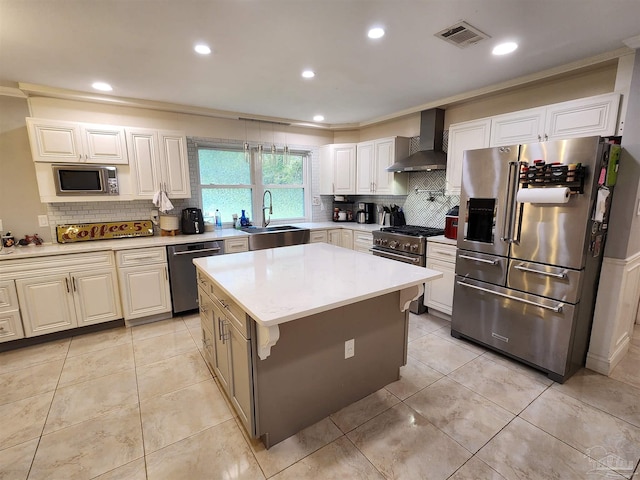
(532, 226)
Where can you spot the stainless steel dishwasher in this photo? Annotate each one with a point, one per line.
(182, 272)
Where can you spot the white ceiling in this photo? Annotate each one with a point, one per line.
(144, 48)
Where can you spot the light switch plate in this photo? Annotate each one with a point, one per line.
(43, 221)
(1, 229)
(349, 348)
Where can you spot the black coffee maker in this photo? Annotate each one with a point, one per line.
(192, 221)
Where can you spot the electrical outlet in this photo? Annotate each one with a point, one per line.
(43, 221)
(349, 348)
(155, 216)
(1, 229)
(637, 213)
(316, 201)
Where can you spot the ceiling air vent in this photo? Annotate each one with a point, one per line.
(462, 35)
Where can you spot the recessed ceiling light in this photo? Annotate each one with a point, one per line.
(202, 49)
(102, 86)
(308, 74)
(318, 118)
(376, 32)
(504, 48)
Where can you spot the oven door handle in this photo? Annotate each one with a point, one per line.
(556, 309)
(413, 260)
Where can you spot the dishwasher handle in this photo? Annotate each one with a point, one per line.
(191, 252)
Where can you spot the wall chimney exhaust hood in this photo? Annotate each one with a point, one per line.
(430, 156)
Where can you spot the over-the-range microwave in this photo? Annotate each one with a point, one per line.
(85, 180)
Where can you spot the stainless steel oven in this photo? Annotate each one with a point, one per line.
(408, 244)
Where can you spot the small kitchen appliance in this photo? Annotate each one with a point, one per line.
(451, 223)
(369, 209)
(192, 221)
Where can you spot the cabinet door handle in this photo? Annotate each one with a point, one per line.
(539, 138)
(166, 275)
(73, 283)
(546, 137)
(79, 157)
(66, 282)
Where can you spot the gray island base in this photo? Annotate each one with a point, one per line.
(306, 377)
(276, 325)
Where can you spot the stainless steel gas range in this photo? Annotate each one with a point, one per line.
(408, 244)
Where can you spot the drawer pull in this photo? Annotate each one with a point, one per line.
(562, 274)
(481, 260)
(556, 309)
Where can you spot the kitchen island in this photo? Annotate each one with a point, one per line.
(293, 334)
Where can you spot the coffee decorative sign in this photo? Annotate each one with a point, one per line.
(102, 231)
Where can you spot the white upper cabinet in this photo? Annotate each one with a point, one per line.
(158, 161)
(372, 161)
(338, 169)
(578, 118)
(582, 118)
(366, 166)
(464, 136)
(72, 142)
(526, 126)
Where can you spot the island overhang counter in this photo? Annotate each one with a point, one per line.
(278, 326)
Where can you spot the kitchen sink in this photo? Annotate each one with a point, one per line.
(277, 236)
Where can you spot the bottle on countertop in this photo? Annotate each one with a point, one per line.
(218, 219)
(243, 219)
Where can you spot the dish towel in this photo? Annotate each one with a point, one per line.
(161, 201)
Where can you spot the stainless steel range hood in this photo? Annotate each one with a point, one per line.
(430, 156)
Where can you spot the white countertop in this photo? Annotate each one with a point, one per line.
(283, 284)
(156, 241)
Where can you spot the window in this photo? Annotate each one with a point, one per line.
(231, 181)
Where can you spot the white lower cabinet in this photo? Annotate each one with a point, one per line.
(236, 245)
(318, 236)
(341, 237)
(144, 282)
(438, 294)
(10, 323)
(51, 303)
(362, 241)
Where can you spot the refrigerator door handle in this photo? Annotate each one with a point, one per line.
(562, 274)
(510, 203)
(556, 309)
(466, 257)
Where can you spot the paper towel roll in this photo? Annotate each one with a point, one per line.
(543, 195)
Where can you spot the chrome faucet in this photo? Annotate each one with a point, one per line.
(265, 222)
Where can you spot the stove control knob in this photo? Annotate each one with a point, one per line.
(414, 248)
(406, 246)
(384, 241)
(393, 244)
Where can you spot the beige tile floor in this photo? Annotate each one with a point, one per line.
(141, 403)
